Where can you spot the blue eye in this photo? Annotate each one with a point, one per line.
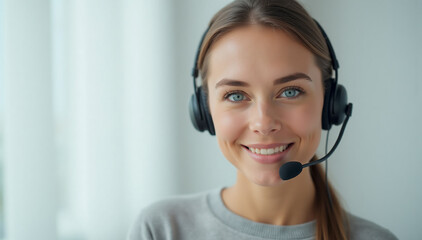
(291, 93)
(235, 97)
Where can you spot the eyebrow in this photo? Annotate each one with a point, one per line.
(285, 79)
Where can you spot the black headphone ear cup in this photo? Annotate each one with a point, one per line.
(195, 112)
(335, 102)
(199, 113)
(339, 105)
(205, 110)
(326, 123)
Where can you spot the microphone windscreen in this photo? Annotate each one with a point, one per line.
(290, 170)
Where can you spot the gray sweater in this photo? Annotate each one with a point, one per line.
(204, 216)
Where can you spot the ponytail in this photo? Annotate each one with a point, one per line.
(331, 220)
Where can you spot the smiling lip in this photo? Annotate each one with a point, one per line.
(273, 145)
(267, 159)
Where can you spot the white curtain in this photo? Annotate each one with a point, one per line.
(89, 115)
(29, 167)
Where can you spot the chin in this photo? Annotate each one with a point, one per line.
(266, 179)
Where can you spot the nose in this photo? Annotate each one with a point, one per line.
(264, 119)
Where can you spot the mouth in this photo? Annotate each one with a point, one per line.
(268, 151)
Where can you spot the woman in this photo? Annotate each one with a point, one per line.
(264, 66)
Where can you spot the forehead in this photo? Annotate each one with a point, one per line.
(259, 51)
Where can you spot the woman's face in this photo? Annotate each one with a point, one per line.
(266, 99)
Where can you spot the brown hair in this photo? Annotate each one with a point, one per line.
(290, 17)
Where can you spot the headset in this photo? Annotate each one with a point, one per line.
(335, 96)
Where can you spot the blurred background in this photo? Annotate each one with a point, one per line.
(94, 123)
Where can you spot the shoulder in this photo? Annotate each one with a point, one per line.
(364, 229)
(158, 220)
(176, 206)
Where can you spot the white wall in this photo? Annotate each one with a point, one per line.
(377, 168)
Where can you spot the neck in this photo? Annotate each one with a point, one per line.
(289, 203)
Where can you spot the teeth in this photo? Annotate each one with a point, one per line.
(268, 151)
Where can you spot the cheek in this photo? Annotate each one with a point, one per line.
(306, 120)
(228, 125)
(311, 119)
(305, 123)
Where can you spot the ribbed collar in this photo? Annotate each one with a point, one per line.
(246, 226)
